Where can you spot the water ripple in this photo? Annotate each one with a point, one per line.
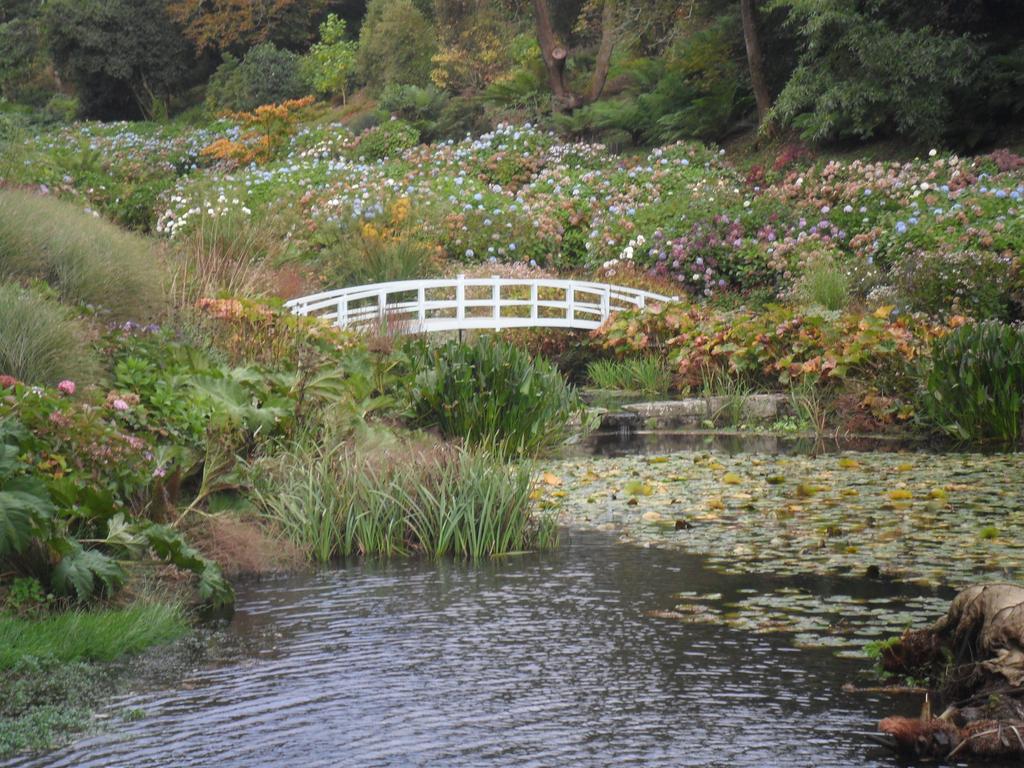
(529, 662)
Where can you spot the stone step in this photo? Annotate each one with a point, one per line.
(695, 411)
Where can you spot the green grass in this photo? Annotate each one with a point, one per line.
(642, 374)
(339, 500)
(40, 343)
(100, 635)
(85, 259)
(735, 390)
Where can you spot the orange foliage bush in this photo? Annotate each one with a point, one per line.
(268, 129)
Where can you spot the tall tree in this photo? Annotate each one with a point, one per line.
(236, 25)
(755, 60)
(125, 58)
(555, 54)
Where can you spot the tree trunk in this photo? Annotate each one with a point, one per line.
(554, 55)
(748, 14)
(604, 53)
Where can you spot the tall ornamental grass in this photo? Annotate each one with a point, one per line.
(222, 255)
(85, 259)
(493, 394)
(40, 343)
(975, 386)
(824, 284)
(340, 500)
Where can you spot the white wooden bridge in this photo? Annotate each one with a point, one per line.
(464, 303)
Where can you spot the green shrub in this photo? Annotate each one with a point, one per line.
(387, 140)
(975, 385)
(694, 91)
(266, 75)
(337, 499)
(396, 42)
(61, 108)
(950, 281)
(861, 76)
(493, 394)
(643, 374)
(40, 343)
(420, 107)
(331, 62)
(86, 260)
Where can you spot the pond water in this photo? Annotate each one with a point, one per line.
(940, 520)
(532, 661)
(699, 645)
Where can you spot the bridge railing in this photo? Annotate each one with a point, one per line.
(462, 302)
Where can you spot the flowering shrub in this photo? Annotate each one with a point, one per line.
(519, 195)
(82, 440)
(74, 534)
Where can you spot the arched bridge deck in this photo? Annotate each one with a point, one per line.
(464, 303)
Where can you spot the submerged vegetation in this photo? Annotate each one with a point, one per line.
(918, 518)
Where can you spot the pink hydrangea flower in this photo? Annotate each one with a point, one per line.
(120, 405)
(67, 387)
(6, 382)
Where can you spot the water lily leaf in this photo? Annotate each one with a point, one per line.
(637, 488)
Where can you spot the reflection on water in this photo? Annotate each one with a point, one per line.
(626, 442)
(525, 662)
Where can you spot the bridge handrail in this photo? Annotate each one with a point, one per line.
(596, 299)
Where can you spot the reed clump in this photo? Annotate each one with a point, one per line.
(339, 500)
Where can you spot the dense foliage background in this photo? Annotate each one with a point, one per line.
(626, 72)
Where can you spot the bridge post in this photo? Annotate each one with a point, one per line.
(342, 319)
(533, 301)
(460, 297)
(496, 301)
(606, 303)
(421, 310)
(570, 300)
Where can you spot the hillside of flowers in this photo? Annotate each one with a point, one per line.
(940, 235)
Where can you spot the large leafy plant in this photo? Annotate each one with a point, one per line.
(75, 537)
(493, 394)
(975, 384)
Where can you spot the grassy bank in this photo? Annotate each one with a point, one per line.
(99, 635)
(51, 673)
